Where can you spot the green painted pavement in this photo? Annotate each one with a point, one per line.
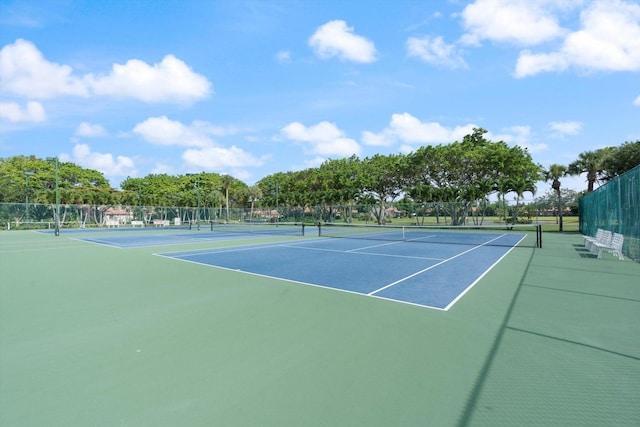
(94, 335)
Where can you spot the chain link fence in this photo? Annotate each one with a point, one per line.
(615, 206)
(42, 216)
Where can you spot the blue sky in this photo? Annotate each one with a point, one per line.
(250, 88)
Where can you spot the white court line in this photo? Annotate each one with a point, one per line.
(95, 242)
(433, 266)
(371, 294)
(300, 282)
(468, 288)
(351, 251)
(176, 240)
(374, 246)
(222, 250)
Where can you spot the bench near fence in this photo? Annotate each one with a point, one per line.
(605, 240)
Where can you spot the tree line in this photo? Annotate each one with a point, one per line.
(599, 166)
(463, 173)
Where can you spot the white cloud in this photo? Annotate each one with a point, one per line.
(89, 130)
(283, 57)
(382, 139)
(203, 153)
(566, 128)
(163, 131)
(162, 168)
(13, 112)
(637, 101)
(435, 51)
(608, 40)
(25, 72)
(170, 80)
(530, 64)
(216, 158)
(518, 135)
(406, 149)
(314, 163)
(211, 129)
(336, 39)
(520, 22)
(104, 162)
(410, 130)
(323, 138)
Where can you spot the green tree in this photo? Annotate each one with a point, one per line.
(554, 173)
(254, 193)
(465, 173)
(593, 164)
(73, 180)
(621, 159)
(227, 181)
(277, 188)
(385, 178)
(520, 185)
(548, 202)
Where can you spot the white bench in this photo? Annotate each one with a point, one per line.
(161, 223)
(614, 246)
(137, 223)
(112, 223)
(588, 240)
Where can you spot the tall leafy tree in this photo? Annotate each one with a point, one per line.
(72, 179)
(621, 159)
(385, 178)
(467, 172)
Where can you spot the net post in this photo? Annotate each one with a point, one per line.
(303, 228)
(539, 235)
(319, 229)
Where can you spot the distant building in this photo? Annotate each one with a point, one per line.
(114, 217)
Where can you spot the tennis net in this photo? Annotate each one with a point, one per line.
(248, 227)
(520, 235)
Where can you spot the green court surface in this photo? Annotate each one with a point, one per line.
(94, 335)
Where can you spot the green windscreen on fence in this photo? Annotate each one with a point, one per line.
(615, 206)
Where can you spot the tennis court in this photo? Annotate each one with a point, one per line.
(137, 237)
(113, 334)
(429, 274)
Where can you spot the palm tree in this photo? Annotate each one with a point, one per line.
(503, 186)
(520, 184)
(554, 173)
(592, 163)
(226, 183)
(254, 192)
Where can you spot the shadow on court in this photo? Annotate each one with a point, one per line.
(567, 352)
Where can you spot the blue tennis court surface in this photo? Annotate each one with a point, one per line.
(425, 274)
(154, 237)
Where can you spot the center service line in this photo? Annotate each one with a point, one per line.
(433, 266)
